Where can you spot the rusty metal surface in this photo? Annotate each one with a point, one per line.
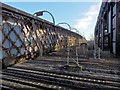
(23, 34)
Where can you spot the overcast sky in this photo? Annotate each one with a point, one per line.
(80, 15)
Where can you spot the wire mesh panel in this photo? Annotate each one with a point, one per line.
(23, 35)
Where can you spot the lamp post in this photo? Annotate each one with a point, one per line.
(40, 13)
(68, 49)
(76, 30)
(66, 24)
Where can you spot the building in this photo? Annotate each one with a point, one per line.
(107, 29)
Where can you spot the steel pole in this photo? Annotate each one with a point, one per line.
(40, 13)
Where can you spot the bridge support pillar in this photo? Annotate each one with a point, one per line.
(0, 33)
(1, 55)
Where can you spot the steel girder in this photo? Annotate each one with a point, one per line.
(26, 35)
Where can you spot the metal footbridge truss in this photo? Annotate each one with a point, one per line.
(26, 35)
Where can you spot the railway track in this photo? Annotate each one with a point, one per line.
(56, 80)
(45, 74)
(13, 85)
(102, 76)
(90, 66)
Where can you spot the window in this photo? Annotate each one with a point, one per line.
(114, 9)
(114, 23)
(114, 35)
(109, 22)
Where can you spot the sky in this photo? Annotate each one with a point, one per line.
(80, 15)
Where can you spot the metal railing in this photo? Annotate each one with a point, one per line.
(24, 35)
